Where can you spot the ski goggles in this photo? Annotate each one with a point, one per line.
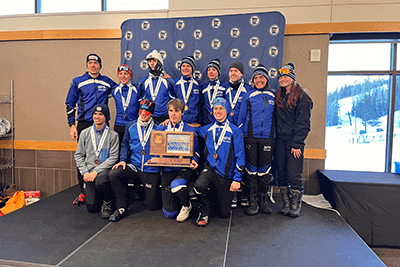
(284, 71)
(125, 68)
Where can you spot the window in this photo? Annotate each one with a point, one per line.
(123, 5)
(53, 6)
(361, 75)
(17, 7)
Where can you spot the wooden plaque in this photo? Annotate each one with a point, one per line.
(174, 149)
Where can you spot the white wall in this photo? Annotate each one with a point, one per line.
(295, 11)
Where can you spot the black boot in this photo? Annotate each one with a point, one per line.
(286, 199)
(252, 209)
(263, 201)
(295, 203)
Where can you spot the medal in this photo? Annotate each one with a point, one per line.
(143, 152)
(97, 162)
(215, 155)
(186, 107)
(124, 116)
(232, 113)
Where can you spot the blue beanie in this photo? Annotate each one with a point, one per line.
(215, 63)
(287, 70)
(221, 102)
(93, 57)
(103, 109)
(189, 60)
(260, 70)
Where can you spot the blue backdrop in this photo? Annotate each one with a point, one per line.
(249, 38)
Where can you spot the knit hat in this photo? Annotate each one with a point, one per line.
(260, 70)
(93, 57)
(156, 55)
(238, 65)
(287, 70)
(221, 102)
(125, 68)
(189, 60)
(148, 105)
(215, 63)
(103, 109)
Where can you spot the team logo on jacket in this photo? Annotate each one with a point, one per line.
(163, 54)
(197, 54)
(271, 102)
(255, 20)
(145, 25)
(178, 64)
(273, 51)
(254, 41)
(215, 44)
(267, 148)
(102, 88)
(227, 139)
(235, 32)
(128, 35)
(180, 45)
(197, 74)
(144, 65)
(216, 23)
(235, 53)
(180, 25)
(162, 35)
(272, 73)
(253, 62)
(197, 34)
(128, 55)
(274, 30)
(145, 45)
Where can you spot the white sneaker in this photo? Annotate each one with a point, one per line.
(184, 213)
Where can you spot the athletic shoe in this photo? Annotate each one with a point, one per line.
(118, 215)
(184, 213)
(79, 200)
(244, 202)
(234, 200)
(106, 209)
(202, 220)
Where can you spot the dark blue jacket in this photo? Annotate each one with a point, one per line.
(230, 94)
(194, 112)
(207, 88)
(132, 112)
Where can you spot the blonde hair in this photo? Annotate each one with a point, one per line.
(177, 104)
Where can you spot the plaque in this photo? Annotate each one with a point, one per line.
(173, 149)
(97, 162)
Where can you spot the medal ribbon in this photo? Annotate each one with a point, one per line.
(235, 100)
(215, 88)
(151, 88)
(125, 102)
(186, 95)
(221, 137)
(98, 148)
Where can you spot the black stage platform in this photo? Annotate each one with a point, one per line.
(53, 232)
(368, 201)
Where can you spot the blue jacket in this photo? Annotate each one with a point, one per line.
(186, 128)
(231, 160)
(256, 117)
(132, 112)
(230, 94)
(165, 94)
(194, 112)
(87, 93)
(209, 88)
(131, 148)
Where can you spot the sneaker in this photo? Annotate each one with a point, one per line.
(184, 213)
(106, 209)
(244, 202)
(118, 215)
(79, 200)
(202, 220)
(234, 200)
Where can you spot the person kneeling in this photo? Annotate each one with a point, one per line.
(96, 153)
(225, 162)
(135, 148)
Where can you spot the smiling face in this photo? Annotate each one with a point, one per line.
(99, 119)
(144, 115)
(93, 68)
(219, 113)
(285, 81)
(124, 77)
(152, 62)
(212, 73)
(186, 70)
(235, 74)
(260, 81)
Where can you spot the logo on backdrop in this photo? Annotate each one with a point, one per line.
(162, 35)
(145, 25)
(216, 23)
(197, 34)
(273, 72)
(235, 53)
(216, 44)
(254, 41)
(197, 54)
(180, 24)
(274, 30)
(144, 65)
(235, 32)
(128, 55)
(128, 35)
(198, 75)
(178, 64)
(255, 20)
(273, 51)
(145, 45)
(253, 62)
(180, 45)
(163, 54)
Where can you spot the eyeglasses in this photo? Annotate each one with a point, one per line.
(284, 71)
(147, 113)
(125, 68)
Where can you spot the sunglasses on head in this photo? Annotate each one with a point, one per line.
(125, 68)
(284, 71)
(147, 113)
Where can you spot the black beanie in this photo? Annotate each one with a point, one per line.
(238, 65)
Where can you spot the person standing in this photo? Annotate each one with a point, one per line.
(126, 97)
(225, 162)
(157, 87)
(293, 123)
(174, 180)
(135, 152)
(187, 89)
(95, 155)
(213, 89)
(85, 92)
(256, 119)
